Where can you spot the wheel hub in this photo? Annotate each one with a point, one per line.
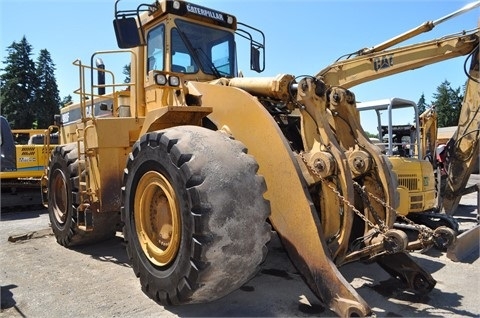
(157, 218)
(59, 199)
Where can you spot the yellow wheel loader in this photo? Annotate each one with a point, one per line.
(198, 164)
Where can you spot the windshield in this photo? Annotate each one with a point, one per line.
(195, 46)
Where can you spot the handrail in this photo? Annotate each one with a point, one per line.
(87, 97)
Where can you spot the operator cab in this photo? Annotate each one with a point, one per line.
(195, 49)
(186, 38)
(397, 139)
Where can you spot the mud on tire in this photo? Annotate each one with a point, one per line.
(63, 199)
(194, 214)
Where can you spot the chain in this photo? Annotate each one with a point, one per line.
(424, 231)
(363, 194)
(381, 229)
(421, 229)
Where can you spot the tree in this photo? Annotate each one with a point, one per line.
(47, 99)
(18, 84)
(448, 103)
(421, 104)
(67, 100)
(126, 72)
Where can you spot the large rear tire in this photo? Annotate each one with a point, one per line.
(194, 213)
(63, 200)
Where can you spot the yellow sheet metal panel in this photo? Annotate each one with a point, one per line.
(31, 157)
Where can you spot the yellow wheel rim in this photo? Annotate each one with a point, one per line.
(157, 218)
(59, 198)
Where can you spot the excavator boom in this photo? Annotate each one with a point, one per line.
(368, 67)
(379, 61)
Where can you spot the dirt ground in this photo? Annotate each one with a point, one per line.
(40, 278)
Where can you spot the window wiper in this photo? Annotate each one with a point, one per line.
(195, 55)
(209, 63)
(189, 45)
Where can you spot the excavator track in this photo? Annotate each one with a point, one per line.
(434, 220)
(21, 199)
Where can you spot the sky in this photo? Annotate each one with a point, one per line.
(302, 36)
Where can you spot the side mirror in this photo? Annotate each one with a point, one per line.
(255, 58)
(126, 32)
(257, 46)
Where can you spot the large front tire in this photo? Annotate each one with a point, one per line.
(195, 217)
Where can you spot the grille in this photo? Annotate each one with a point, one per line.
(408, 181)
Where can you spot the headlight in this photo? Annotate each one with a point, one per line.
(160, 79)
(174, 81)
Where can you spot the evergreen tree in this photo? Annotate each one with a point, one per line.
(66, 101)
(47, 101)
(18, 84)
(421, 104)
(448, 103)
(126, 72)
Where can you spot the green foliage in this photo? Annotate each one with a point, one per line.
(448, 103)
(67, 100)
(18, 85)
(47, 99)
(421, 104)
(126, 72)
(28, 91)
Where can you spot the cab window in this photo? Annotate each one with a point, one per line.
(155, 48)
(182, 60)
(196, 46)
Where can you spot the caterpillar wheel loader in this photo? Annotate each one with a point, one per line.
(198, 165)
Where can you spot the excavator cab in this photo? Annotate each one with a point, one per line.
(403, 146)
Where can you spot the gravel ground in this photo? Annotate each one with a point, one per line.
(39, 278)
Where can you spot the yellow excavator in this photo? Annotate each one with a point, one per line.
(23, 156)
(409, 147)
(421, 169)
(419, 187)
(198, 164)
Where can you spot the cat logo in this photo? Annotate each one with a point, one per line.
(382, 62)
